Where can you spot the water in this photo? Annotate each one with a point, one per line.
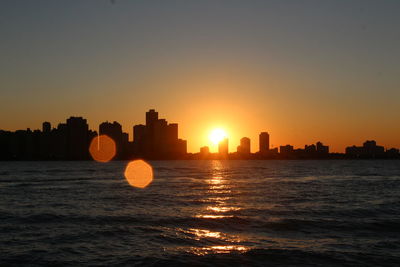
(254, 213)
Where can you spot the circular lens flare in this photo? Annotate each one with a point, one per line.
(139, 173)
(217, 135)
(102, 148)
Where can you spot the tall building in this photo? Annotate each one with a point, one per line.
(59, 142)
(158, 139)
(223, 147)
(45, 140)
(321, 149)
(139, 139)
(160, 142)
(77, 138)
(46, 127)
(139, 132)
(244, 147)
(172, 132)
(264, 142)
(151, 117)
(5, 152)
(179, 148)
(114, 130)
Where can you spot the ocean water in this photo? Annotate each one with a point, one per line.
(205, 213)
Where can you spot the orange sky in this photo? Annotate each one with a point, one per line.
(327, 71)
(299, 118)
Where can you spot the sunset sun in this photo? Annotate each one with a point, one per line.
(217, 135)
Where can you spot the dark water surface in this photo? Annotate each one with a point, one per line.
(254, 213)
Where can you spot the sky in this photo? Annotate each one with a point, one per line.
(304, 71)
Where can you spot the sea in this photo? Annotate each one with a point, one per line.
(201, 213)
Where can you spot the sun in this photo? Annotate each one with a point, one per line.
(217, 135)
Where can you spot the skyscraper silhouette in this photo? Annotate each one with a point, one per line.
(223, 147)
(321, 149)
(114, 130)
(264, 142)
(158, 139)
(45, 148)
(244, 147)
(139, 139)
(151, 117)
(77, 138)
(46, 127)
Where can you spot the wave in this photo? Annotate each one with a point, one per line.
(252, 257)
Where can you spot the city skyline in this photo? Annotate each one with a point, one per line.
(255, 144)
(309, 70)
(156, 139)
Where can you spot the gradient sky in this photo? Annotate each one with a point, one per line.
(304, 71)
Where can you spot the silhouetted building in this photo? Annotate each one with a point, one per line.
(172, 132)
(5, 139)
(139, 139)
(371, 148)
(181, 148)
(223, 147)
(151, 117)
(273, 151)
(139, 132)
(45, 139)
(46, 127)
(59, 141)
(244, 147)
(160, 147)
(310, 149)
(393, 153)
(114, 130)
(204, 151)
(150, 149)
(263, 142)
(158, 139)
(321, 149)
(354, 151)
(77, 138)
(91, 134)
(285, 150)
(368, 150)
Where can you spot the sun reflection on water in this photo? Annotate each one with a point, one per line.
(215, 180)
(218, 191)
(212, 216)
(220, 200)
(216, 187)
(222, 209)
(218, 196)
(199, 234)
(218, 250)
(205, 233)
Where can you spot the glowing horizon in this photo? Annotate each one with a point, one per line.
(304, 72)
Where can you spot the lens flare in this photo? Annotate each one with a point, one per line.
(102, 148)
(139, 173)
